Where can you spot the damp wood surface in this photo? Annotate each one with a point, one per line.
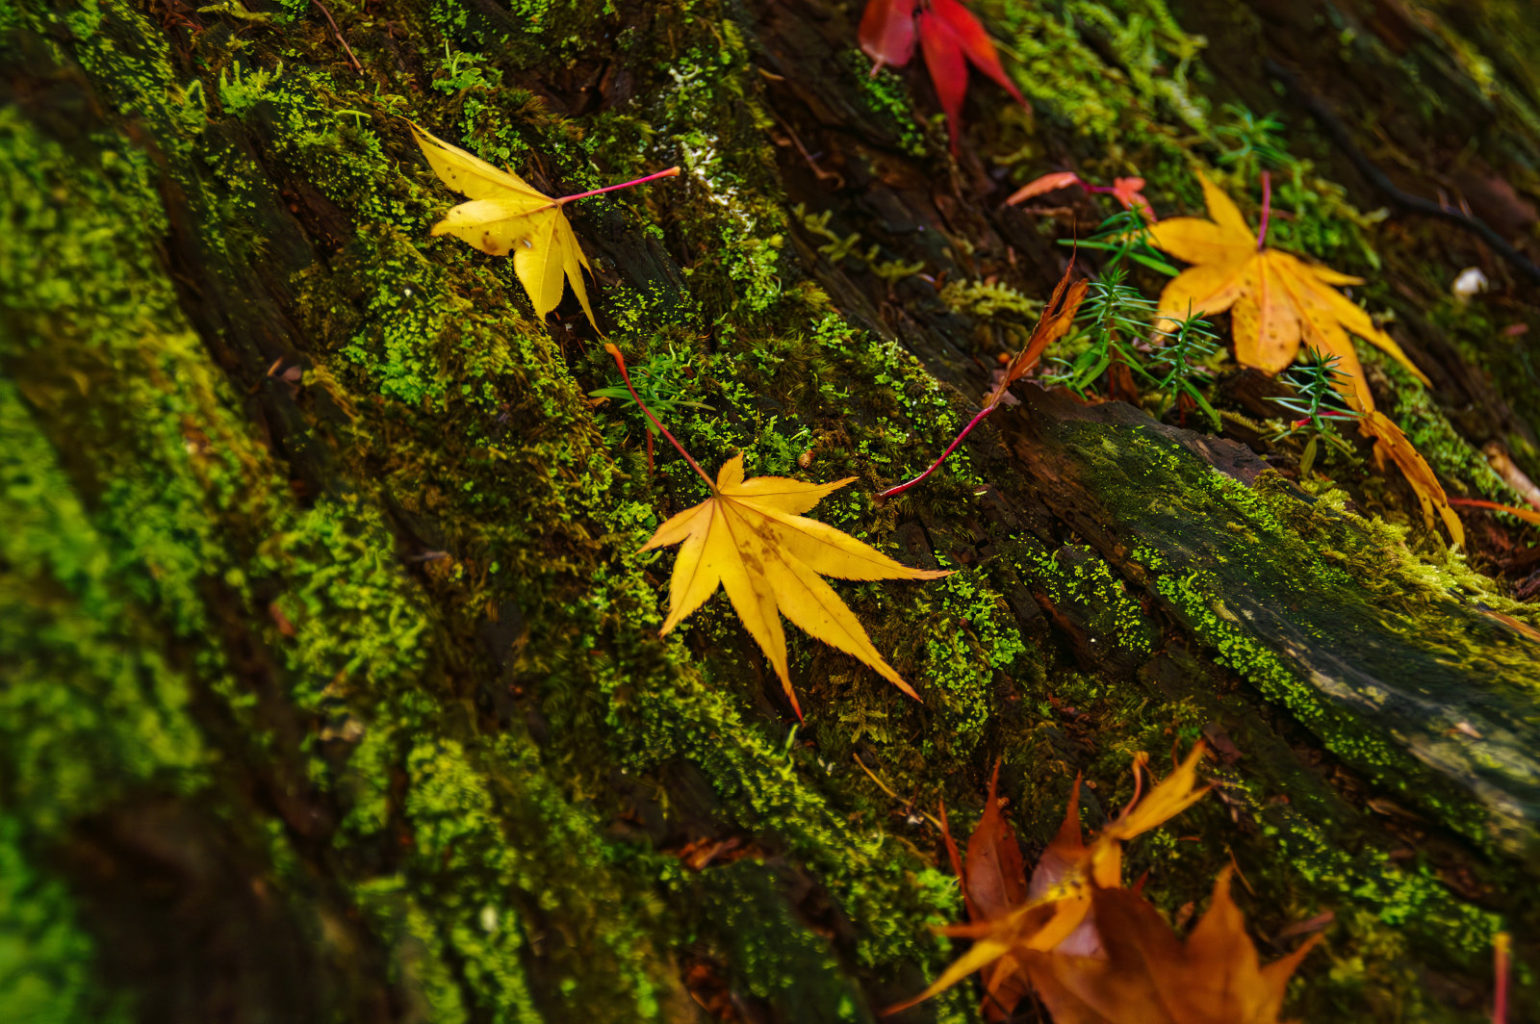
(331, 683)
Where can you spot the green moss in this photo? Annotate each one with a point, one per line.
(1077, 582)
(887, 100)
(404, 591)
(47, 961)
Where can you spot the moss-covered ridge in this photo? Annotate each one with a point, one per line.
(1393, 665)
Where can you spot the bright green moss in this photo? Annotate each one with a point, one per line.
(46, 958)
(458, 630)
(1076, 581)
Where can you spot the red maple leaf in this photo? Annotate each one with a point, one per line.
(1125, 190)
(950, 38)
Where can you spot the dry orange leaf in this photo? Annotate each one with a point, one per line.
(1145, 974)
(751, 539)
(1053, 323)
(1059, 896)
(1277, 300)
(1390, 441)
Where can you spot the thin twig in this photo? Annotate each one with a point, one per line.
(884, 787)
(671, 172)
(338, 33)
(1500, 944)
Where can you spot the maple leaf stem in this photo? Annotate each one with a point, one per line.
(1267, 209)
(1500, 944)
(1493, 506)
(901, 488)
(671, 172)
(620, 361)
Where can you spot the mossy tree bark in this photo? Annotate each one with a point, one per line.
(332, 687)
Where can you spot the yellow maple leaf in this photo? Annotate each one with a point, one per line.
(1277, 301)
(751, 539)
(506, 214)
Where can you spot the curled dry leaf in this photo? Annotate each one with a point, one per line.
(751, 539)
(1057, 317)
(1055, 321)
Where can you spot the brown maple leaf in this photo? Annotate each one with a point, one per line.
(994, 883)
(1145, 974)
(1059, 897)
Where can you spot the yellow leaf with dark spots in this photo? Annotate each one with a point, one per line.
(507, 215)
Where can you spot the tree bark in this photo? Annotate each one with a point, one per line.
(332, 681)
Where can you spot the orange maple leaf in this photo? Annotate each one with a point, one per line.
(1145, 974)
(1277, 301)
(1059, 897)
